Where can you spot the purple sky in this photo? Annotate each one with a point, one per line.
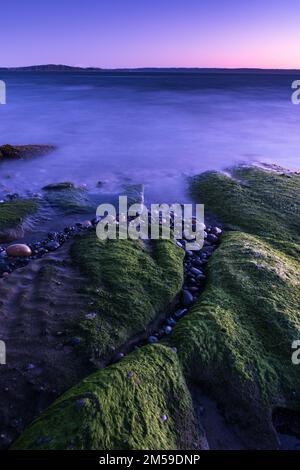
(145, 33)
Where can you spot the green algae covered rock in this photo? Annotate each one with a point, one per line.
(237, 339)
(68, 199)
(140, 403)
(260, 202)
(13, 214)
(129, 284)
(239, 334)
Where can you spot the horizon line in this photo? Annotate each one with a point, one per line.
(146, 67)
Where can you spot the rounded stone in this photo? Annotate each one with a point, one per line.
(152, 339)
(212, 238)
(86, 224)
(18, 249)
(171, 322)
(187, 298)
(52, 245)
(216, 231)
(180, 313)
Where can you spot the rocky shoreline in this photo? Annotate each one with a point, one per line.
(159, 325)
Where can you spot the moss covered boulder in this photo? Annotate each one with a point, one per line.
(237, 340)
(13, 215)
(139, 403)
(129, 285)
(261, 202)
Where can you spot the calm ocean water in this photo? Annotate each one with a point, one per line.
(154, 129)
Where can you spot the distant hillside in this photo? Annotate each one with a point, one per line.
(68, 68)
(47, 68)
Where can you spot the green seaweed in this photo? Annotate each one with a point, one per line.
(121, 407)
(13, 213)
(128, 286)
(250, 199)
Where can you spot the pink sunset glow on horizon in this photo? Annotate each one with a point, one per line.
(164, 33)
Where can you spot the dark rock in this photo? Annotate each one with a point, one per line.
(212, 238)
(216, 231)
(118, 357)
(189, 253)
(96, 220)
(12, 152)
(152, 339)
(200, 278)
(168, 330)
(187, 298)
(53, 235)
(59, 186)
(196, 271)
(75, 341)
(52, 245)
(171, 322)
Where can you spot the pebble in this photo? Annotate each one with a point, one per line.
(75, 341)
(171, 322)
(168, 330)
(52, 245)
(164, 418)
(216, 230)
(91, 316)
(118, 357)
(189, 253)
(212, 238)
(200, 278)
(86, 224)
(18, 249)
(180, 313)
(187, 298)
(197, 272)
(152, 339)
(51, 236)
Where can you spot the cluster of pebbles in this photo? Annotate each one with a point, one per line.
(18, 255)
(194, 279)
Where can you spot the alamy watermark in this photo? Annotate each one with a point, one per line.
(2, 353)
(296, 94)
(296, 353)
(2, 92)
(162, 221)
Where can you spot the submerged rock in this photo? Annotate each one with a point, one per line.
(12, 152)
(59, 186)
(13, 214)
